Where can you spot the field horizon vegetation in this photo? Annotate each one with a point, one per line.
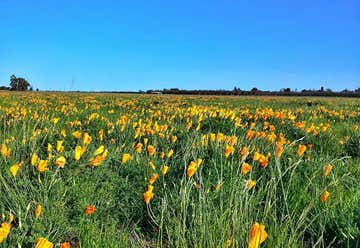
(119, 170)
(22, 84)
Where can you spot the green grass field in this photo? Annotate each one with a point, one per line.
(107, 170)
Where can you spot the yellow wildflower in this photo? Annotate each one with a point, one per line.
(59, 146)
(14, 169)
(257, 235)
(125, 157)
(38, 210)
(86, 139)
(79, 151)
(60, 161)
(327, 169)
(301, 150)
(99, 151)
(170, 153)
(76, 134)
(43, 243)
(250, 184)
(152, 166)
(4, 231)
(5, 151)
(164, 169)
(34, 159)
(49, 148)
(42, 166)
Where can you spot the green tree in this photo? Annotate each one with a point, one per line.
(18, 84)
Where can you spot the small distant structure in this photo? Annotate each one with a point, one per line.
(155, 92)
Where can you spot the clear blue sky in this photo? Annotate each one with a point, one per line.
(214, 44)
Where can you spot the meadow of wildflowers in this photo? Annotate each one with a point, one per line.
(108, 170)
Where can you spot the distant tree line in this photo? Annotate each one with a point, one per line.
(21, 84)
(255, 91)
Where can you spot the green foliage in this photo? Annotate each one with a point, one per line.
(18, 84)
(352, 146)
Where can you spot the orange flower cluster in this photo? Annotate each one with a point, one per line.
(262, 159)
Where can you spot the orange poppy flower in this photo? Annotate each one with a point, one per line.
(279, 149)
(191, 169)
(38, 210)
(229, 150)
(244, 152)
(301, 150)
(245, 168)
(65, 245)
(153, 178)
(148, 195)
(151, 150)
(43, 243)
(90, 209)
(327, 169)
(138, 147)
(324, 196)
(257, 235)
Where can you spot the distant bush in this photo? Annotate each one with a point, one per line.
(4, 88)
